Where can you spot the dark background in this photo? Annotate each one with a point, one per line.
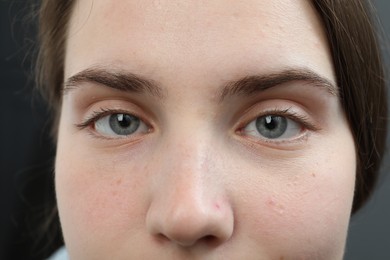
(26, 154)
(369, 236)
(26, 151)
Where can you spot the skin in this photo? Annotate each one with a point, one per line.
(195, 181)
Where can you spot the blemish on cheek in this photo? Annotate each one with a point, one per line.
(313, 174)
(216, 206)
(275, 206)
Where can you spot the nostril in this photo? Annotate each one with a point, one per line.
(210, 240)
(161, 238)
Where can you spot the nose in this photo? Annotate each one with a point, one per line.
(189, 208)
(187, 222)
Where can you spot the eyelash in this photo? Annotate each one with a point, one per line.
(96, 115)
(301, 119)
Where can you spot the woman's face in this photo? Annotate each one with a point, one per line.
(202, 130)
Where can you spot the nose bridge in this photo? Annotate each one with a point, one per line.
(184, 172)
(190, 153)
(190, 175)
(189, 204)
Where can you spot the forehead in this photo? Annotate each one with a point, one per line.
(209, 37)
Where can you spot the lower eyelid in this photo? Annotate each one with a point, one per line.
(301, 138)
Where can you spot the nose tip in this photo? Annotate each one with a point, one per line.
(189, 226)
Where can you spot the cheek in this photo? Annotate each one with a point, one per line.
(97, 198)
(312, 208)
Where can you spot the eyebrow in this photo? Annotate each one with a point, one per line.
(116, 79)
(248, 85)
(256, 83)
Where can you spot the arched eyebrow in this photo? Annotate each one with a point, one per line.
(116, 79)
(257, 83)
(248, 85)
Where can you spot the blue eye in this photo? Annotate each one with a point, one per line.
(120, 125)
(273, 127)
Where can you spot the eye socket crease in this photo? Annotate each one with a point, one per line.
(247, 85)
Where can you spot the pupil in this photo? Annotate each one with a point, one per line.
(123, 120)
(271, 122)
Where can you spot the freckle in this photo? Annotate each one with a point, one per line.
(119, 181)
(313, 174)
(281, 258)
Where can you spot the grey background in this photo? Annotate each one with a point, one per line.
(369, 236)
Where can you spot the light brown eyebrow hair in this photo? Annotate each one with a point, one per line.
(257, 83)
(127, 81)
(116, 79)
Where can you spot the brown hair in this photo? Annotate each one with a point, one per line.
(356, 59)
(54, 16)
(360, 78)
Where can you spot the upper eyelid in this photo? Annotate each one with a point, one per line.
(92, 118)
(254, 115)
(96, 115)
